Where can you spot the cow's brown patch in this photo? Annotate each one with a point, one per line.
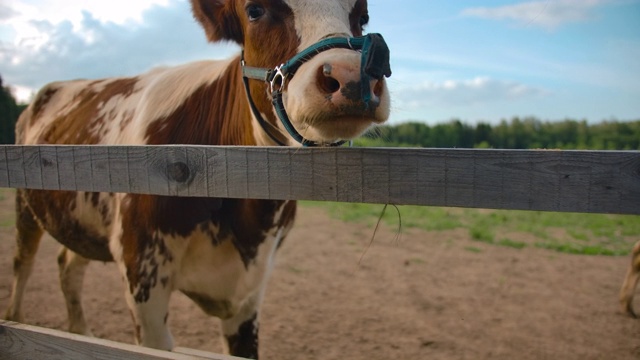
(143, 247)
(53, 210)
(42, 100)
(127, 118)
(247, 222)
(143, 263)
(93, 197)
(214, 114)
(84, 123)
(269, 43)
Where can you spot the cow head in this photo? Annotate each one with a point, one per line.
(329, 97)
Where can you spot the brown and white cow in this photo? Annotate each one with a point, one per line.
(219, 252)
(630, 283)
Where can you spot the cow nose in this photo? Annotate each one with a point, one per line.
(342, 84)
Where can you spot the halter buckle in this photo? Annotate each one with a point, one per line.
(277, 83)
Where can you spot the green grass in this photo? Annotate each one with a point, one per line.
(582, 250)
(482, 234)
(512, 244)
(572, 233)
(426, 218)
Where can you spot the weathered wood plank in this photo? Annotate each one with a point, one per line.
(19, 341)
(572, 181)
(16, 167)
(4, 166)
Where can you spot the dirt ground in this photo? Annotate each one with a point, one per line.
(429, 295)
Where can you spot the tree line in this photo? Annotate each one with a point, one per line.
(517, 133)
(9, 112)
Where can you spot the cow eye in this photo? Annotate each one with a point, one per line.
(255, 12)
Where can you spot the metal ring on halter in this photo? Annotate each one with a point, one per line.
(278, 80)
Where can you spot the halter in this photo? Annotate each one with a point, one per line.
(374, 65)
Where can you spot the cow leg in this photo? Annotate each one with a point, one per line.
(150, 311)
(630, 282)
(28, 235)
(72, 269)
(241, 331)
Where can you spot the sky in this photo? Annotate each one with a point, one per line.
(469, 60)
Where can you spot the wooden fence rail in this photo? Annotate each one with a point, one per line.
(571, 181)
(26, 342)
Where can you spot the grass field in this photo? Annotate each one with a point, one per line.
(586, 234)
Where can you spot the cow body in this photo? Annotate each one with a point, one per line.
(219, 252)
(631, 280)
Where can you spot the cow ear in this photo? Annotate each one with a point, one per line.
(219, 19)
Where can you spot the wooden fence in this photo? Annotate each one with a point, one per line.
(570, 181)
(25, 342)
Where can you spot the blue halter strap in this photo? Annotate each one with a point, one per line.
(374, 65)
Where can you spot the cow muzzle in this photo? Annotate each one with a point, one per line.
(374, 67)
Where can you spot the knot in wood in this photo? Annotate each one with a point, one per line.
(46, 162)
(178, 172)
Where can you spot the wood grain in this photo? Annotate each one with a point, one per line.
(570, 181)
(19, 341)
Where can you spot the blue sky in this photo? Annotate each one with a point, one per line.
(472, 60)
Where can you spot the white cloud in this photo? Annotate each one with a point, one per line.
(7, 13)
(456, 93)
(549, 14)
(94, 48)
(56, 11)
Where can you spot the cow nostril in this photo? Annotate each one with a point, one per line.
(378, 88)
(327, 84)
(331, 85)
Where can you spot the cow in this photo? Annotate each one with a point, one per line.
(630, 283)
(306, 76)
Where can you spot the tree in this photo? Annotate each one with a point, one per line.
(482, 135)
(9, 113)
(527, 133)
